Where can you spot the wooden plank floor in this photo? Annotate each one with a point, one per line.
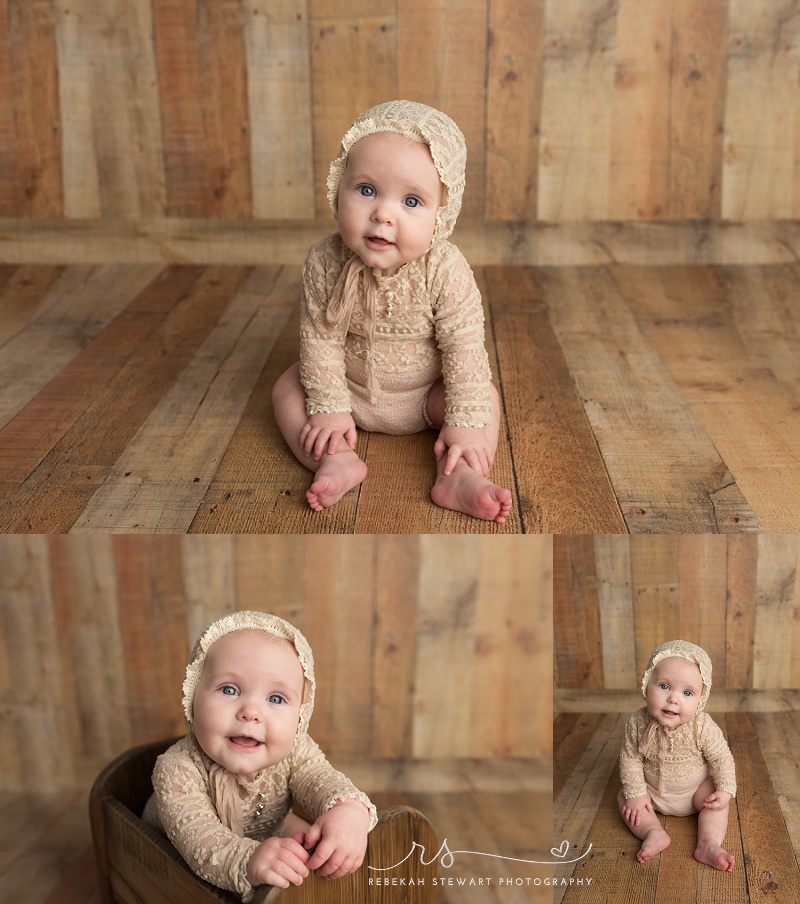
(762, 828)
(46, 856)
(136, 398)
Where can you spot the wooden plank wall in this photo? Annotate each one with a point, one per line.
(574, 110)
(617, 598)
(422, 644)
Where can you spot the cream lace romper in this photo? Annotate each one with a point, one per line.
(379, 358)
(671, 765)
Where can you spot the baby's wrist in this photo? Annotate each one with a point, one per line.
(351, 802)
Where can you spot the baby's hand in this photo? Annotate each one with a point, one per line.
(634, 807)
(718, 800)
(469, 443)
(340, 835)
(323, 433)
(278, 861)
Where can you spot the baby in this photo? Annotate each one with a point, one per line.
(223, 794)
(391, 330)
(675, 759)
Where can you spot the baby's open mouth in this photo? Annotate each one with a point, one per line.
(379, 241)
(669, 712)
(242, 741)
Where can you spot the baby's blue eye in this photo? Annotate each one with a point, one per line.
(412, 202)
(664, 686)
(229, 690)
(275, 698)
(687, 694)
(366, 190)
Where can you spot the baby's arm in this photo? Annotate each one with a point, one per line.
(279, 862)
(717, 754)
(322, 363)
(185, 811)
(340, 837)
(459, 326)
(343, 814)
(631, 772)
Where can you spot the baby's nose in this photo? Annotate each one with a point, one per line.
(381, 212)
(249, 712)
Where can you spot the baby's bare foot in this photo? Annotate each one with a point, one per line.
(712, 854)
(336, 475)
(655, 841)
(468, 491)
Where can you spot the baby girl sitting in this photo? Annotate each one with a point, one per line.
(223, 794)
(391, 330)
(675, 759)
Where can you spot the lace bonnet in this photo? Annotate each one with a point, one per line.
(422, 124)
(684, 650)
(250, 621)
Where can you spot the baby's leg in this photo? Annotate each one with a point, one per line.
(649, 831)
(335, 474)
(466, 490)
(711, 828)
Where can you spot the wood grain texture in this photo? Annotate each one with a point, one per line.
(714, 319)
(552, 437)
(734, 596)
(34, 100)
(113, 160)
(581, 111)
(409, 635)
(629, 398)
(352, 69)
(760, 113)
(441, 59)
(724, 700)
(697, 108)
(507, 243)
(759, 831)
(51, 859)
(280, 111)
(513, 101)
(770, 862)
(577, 111)
(137, 397)
(640, 129)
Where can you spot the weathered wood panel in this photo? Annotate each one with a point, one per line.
(411, 637)
(737, 597)
(574, 111)
(760, 831)
(136, 398)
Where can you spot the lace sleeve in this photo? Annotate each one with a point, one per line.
(317, 786)
(459, 325)
(322, 366)
(631, 764)
(718, 755)
(192, 825)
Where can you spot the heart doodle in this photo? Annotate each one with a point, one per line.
(561, 850)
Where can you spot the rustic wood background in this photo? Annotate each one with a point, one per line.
(617, 598)
(762, 827)
(575, 111)
(432, 650)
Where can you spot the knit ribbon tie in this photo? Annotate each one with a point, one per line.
(224, 792)
(342, 302)
(648, 745)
